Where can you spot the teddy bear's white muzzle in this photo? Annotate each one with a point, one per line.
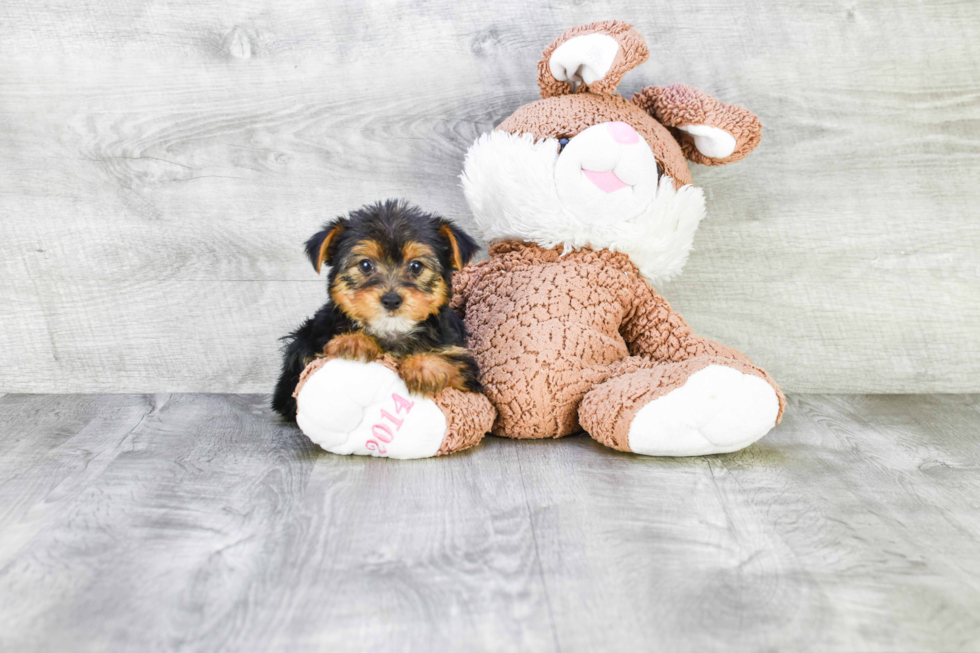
(606, 173)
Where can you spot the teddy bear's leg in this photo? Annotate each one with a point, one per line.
(350, 407)
(700, 406)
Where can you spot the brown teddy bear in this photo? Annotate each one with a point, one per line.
(586, 199)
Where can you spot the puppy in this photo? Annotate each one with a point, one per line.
(390, 283)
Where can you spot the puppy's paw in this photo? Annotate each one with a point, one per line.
(428, 374)
(353, 347)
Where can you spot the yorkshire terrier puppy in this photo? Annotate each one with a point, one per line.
(390, 283)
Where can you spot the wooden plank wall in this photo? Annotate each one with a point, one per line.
(162, 162)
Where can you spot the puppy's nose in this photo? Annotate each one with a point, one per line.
(391, 300)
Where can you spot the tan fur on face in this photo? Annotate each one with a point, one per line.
(428, 374)
(363, 305)
(430, 292)
(422, 295)
(353, 346)
(360, 304)
(413, 251)
(419, 305)
(368, 249)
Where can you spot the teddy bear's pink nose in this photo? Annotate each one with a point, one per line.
(623, 133)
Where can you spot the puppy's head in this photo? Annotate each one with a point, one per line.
(391, 265)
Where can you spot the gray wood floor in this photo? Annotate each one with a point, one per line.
(197, 522)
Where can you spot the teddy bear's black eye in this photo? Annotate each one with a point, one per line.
(366, 266)
(562, 142)
(415, 267)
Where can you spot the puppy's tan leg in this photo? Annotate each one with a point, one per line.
(354, 347)
(429, 373)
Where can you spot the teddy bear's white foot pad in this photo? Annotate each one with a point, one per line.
(364, 409)
(717, 410)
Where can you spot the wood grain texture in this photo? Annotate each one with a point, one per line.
(200, 523)
(163, 163)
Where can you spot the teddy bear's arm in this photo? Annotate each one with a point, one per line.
(653, 330)
(463, 281)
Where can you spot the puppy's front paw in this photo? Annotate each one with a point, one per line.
(429, 374)
(353, 347)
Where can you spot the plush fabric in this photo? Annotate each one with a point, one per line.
(566, 116)
(718, 409)
(468, 417)
(711, 141)
(364, 409)
(547, 329)
(631, 53)
(562, 319)
(517, 191)
(681, 105)
(584, 60)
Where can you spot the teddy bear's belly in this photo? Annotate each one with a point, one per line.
(536, 364)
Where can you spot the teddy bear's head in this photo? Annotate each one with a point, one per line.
(583, 166)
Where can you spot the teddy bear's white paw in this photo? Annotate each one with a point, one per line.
(364, 409)
(717, 410)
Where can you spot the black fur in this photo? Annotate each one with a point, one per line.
(390, 224)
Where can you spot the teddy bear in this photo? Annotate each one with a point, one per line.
(587, 202)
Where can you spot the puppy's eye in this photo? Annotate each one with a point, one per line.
(366, 266)
(562, 142)
(416, 267)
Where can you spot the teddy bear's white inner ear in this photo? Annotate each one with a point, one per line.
(710, 141)
(584, 59)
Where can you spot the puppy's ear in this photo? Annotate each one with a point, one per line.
(461, 246)
(322, 245)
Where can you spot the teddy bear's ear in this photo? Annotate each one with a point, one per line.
(710, 132)
(321, 246)
(596, 55)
